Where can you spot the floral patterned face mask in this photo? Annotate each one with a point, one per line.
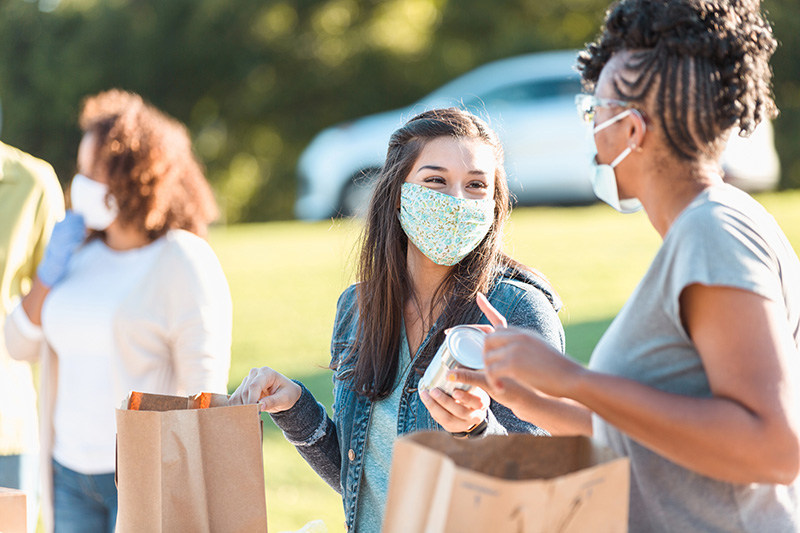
(444, 228)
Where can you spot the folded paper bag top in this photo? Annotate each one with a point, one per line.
(189, 464)
(142, 401)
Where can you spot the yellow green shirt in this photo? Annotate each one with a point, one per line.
(31, 201)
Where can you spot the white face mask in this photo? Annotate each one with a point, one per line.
(604, 179)
(89, 200)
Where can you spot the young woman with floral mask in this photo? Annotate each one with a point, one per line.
(129, 296)
(432, 242)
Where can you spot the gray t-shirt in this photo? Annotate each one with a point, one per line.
(722, 238)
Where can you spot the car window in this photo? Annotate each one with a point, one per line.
(529, 91)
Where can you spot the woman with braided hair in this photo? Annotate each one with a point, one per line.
(696, 379)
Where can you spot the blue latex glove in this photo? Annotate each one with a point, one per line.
(66, 237)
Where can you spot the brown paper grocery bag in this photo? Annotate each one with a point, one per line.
(13, 517)
(189, 465)
(519, 483)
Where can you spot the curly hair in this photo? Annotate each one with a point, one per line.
(153, 175)
(703, 63)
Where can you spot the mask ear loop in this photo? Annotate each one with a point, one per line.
(625, 153)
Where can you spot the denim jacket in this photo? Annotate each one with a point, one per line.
(334, 447)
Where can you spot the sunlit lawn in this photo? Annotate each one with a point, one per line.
(285, 279)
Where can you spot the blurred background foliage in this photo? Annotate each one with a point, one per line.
(255, 80)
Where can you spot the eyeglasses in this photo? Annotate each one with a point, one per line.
(587, 103)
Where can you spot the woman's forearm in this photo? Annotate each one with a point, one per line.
(559, 416)
(716, 437)
(33, 301)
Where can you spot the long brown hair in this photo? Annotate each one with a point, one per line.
(384, 284)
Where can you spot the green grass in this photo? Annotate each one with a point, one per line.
(285, 279)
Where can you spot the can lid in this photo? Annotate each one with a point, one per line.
(466, 346)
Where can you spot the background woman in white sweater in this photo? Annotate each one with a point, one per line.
(128, 297)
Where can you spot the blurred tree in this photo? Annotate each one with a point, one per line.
(785, 16)
(254, 81)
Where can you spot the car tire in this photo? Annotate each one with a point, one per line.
(358, 192)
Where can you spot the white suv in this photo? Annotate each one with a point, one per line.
(529, 101)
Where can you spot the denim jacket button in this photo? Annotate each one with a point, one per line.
(351, 455)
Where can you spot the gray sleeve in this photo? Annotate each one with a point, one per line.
(308, 427)
(717, 246)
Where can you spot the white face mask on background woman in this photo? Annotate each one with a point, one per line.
(89, 200)
(444, 228)
(604, 179)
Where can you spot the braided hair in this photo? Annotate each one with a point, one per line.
(701, 65)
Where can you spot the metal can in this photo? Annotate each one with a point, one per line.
(462, 348)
